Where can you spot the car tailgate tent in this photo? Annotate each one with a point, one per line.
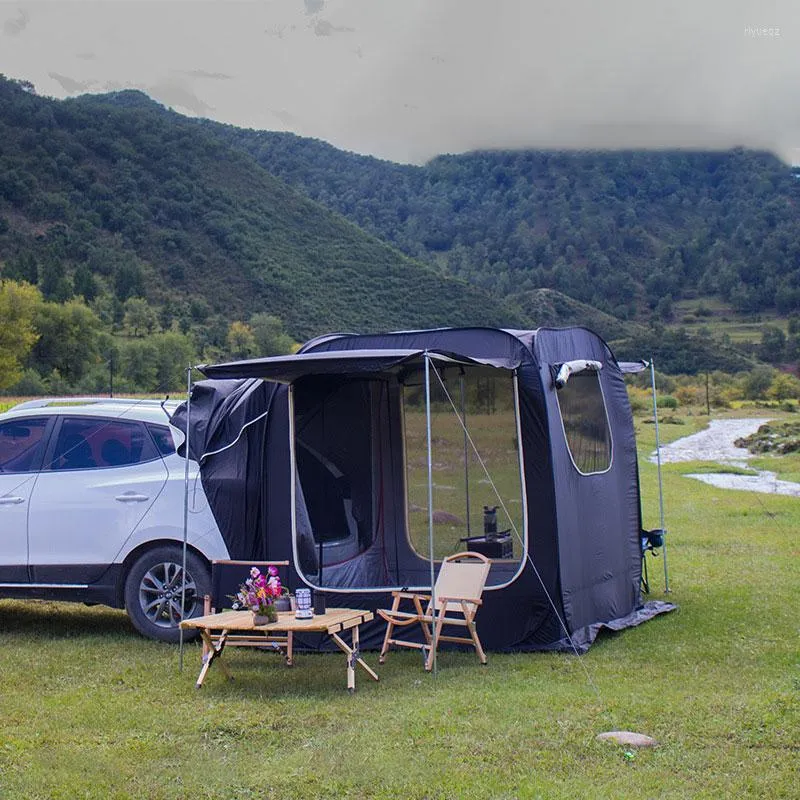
(365, 459)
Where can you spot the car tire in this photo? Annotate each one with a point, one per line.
(153, 590)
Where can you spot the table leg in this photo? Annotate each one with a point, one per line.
(214, 651)
(353, 657)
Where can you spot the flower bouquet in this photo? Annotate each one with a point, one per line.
(258, 594)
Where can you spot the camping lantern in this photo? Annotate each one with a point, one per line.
(303, 601)
(490, 521)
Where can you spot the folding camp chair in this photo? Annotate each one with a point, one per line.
(226, 578)
(456, 599)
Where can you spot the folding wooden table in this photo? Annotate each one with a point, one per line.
(238, 628)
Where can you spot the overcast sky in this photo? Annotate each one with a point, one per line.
(407, 79)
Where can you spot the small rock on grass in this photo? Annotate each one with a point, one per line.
(628, 738)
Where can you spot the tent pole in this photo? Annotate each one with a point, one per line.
(430, 497)
(658, 462)
(185, 509)
(466, 449)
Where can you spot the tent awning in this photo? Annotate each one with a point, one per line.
(287, 369)
(632, 367)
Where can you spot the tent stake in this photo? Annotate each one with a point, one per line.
(430, 497)
(185, 510)
(658, 463)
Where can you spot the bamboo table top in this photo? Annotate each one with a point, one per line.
(332, 621)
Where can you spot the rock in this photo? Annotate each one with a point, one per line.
(627, 738)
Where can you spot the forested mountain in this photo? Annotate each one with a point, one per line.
(673, 350)
(112, 197)
(152, 241)
(627, 232)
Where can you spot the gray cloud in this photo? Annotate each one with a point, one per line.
(419, 77)
(582, 74)
(13, 27)
(70, 85)
(323, 27)
(212, 76)
(284, 117)
(314, 6)
(176, 94)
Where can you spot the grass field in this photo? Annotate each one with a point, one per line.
(709, 313)
(89, 709)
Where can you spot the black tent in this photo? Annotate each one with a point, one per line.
(328, 458)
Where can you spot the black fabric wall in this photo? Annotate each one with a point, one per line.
(583, 531)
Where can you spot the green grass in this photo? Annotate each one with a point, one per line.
(721, 318)
(89, 709)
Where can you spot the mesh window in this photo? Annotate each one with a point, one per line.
(462, 489)
(585, 422)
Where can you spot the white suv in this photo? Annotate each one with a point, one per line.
(92, 497)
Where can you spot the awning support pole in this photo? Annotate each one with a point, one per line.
(658, 463)
(185, 509)
(466, 449)
(430, 497)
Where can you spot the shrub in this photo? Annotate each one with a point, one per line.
(640, 400)
(668, 401)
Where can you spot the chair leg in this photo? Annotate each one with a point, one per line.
(386, 640)
(474, 634)
(434, 641)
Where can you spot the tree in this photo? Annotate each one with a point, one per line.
(140, 365)
(240, 340)
(18, 306)
(270, 337)
(773, 344)
(174, 353)
(68, 339)
(784, 386)
(757, 382)
(139, 317)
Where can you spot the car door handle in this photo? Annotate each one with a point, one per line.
(132, 497)
(11, 501)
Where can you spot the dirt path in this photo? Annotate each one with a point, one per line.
(716, 443)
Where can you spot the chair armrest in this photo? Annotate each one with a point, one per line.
(399, 617)
(411, 595)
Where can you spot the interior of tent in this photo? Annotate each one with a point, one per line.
(366, 453)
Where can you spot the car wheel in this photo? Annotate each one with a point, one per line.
(154, 588)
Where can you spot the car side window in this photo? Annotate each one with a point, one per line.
(20, 444)
(163, 439)
(97, 443)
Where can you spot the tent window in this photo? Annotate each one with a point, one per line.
(585, 422)
(461, 486)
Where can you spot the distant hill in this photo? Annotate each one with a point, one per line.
(673, 350)
(627, 232)
(112, 198)
(109, 197)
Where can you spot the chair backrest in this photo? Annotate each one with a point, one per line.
(462, 576)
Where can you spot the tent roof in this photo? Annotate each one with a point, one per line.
(286, 369)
